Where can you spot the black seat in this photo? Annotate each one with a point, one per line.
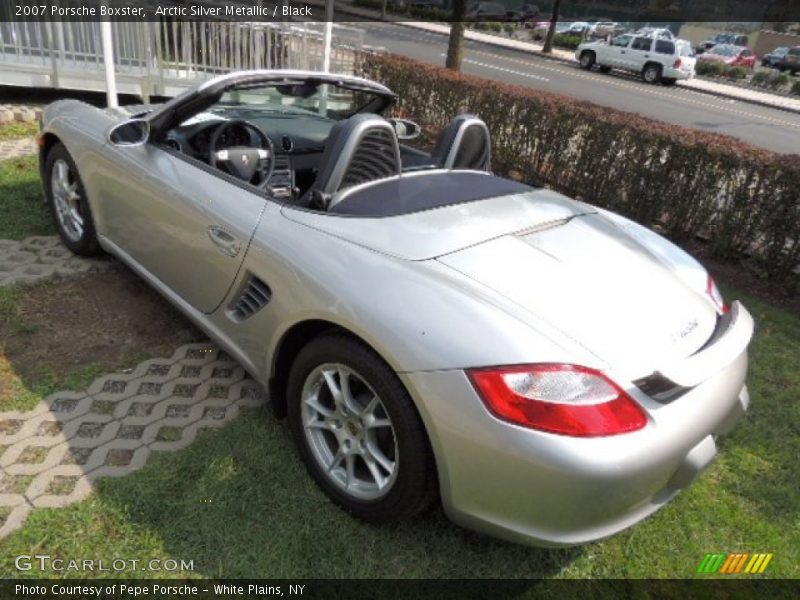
(360, 149)
(464, 144)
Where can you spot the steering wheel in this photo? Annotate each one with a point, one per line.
(253, 165)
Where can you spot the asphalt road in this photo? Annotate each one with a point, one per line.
(769, 128)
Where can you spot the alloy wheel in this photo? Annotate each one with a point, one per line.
(349, 432)
(66, 199)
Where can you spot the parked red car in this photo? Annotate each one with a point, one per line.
(734, 56)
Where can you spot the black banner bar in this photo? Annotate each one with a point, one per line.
(636, 11)
(353, 589)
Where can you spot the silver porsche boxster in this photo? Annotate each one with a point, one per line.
(549, 371)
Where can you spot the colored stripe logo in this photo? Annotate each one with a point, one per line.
(740, 562)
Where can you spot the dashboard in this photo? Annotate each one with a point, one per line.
(195, 139)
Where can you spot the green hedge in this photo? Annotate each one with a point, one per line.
(570, 42)
(744, 199)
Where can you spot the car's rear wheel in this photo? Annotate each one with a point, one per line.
(587, 59)
(68, 203)
(604, 69)
(358, 431)
(651, 73)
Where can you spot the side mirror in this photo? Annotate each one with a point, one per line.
(134, 132)
(405, 129)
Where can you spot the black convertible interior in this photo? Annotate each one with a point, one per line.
(320, 159)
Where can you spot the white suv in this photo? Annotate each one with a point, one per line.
(655, 58)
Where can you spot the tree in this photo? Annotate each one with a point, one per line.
(551, 31)
(455, 47)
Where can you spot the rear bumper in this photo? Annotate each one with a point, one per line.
(549, 490)
(671, 73)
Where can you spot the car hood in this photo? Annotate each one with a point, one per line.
(430, 233)
(635, 305)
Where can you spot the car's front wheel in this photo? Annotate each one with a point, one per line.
(358, 431)
(587, 59)
(68, 203)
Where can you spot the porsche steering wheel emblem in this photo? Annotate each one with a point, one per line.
(245, 160)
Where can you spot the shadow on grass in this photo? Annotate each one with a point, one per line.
(239, 503)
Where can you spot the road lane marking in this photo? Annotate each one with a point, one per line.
(503, 69)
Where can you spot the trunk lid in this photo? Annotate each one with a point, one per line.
(600, 287)
(430, 233)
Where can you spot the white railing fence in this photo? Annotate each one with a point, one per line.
(160, 58)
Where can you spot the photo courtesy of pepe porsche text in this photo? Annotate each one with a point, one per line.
(144, 590)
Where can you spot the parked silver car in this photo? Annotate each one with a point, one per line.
(551, 371)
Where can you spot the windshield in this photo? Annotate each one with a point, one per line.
(725, 50)
(324, 101)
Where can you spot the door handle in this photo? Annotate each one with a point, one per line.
(622, 51)
(647, 56)
(223, 240)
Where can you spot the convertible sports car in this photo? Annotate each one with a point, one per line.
(552, 372)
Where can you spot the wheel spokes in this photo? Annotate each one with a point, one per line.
(375, 453)
(62, 175)
(349, 432)
(66, 200)
(380, 480)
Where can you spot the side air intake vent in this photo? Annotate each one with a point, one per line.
(254, 297)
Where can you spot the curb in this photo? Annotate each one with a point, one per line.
(794, 111)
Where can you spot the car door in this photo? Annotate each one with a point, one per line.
(616, 51)
(182, 222)
(638, 53)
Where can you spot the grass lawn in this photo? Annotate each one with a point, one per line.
(16, 130)
(22, 212)
(238, 503)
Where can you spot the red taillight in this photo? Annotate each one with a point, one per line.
(677, 64)
(716, 297)
(558, 398)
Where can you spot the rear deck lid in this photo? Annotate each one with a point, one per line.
(599, 286)
(453, 225)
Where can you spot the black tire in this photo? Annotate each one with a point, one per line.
(604, 69)
(587, 59)
(415, 484)
(668, 81)
(85, 243)
(651, 73)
